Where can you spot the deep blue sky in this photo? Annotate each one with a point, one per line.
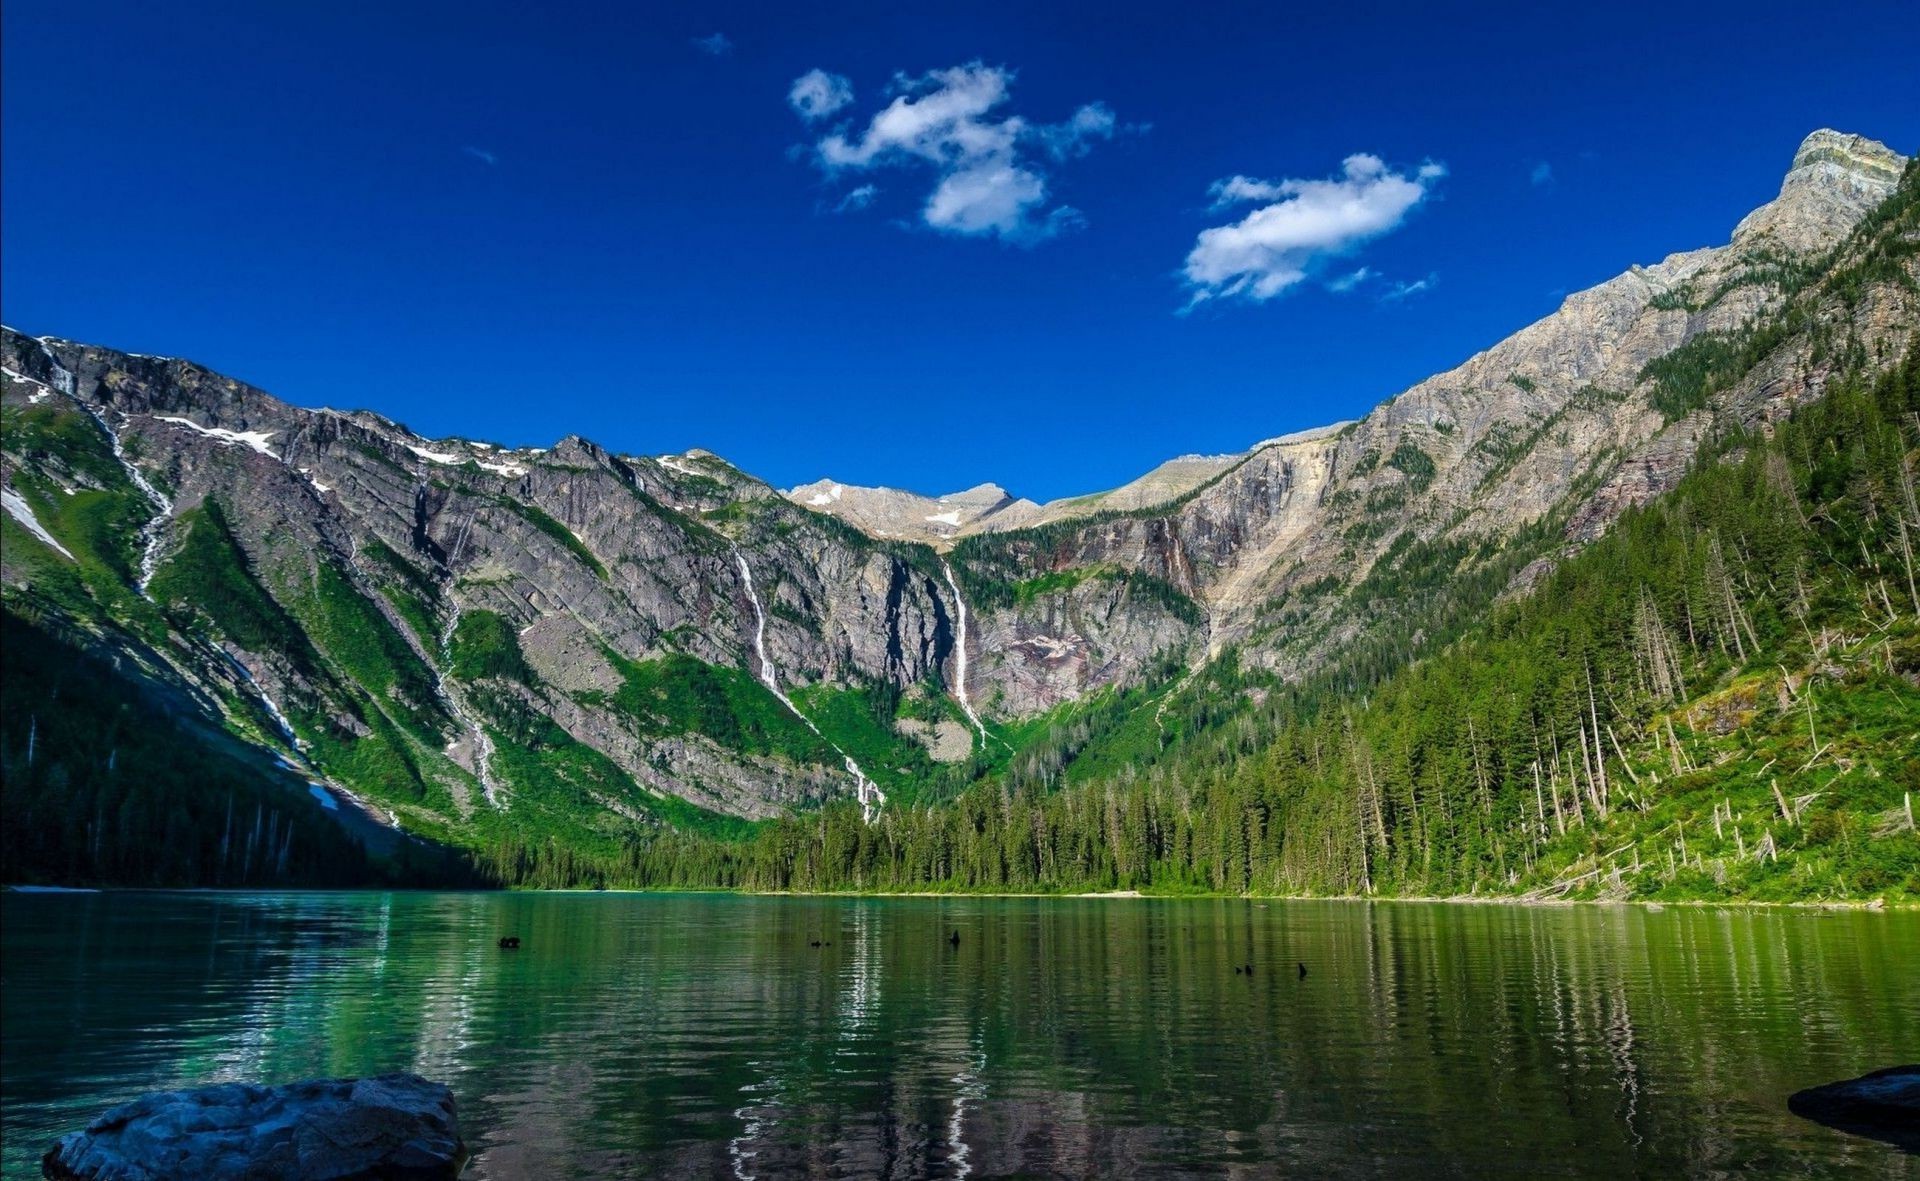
(281, 192)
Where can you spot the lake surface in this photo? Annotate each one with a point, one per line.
(643, 1035)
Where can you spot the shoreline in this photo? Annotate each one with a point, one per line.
(1870, 905)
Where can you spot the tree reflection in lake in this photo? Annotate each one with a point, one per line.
(676, 1034)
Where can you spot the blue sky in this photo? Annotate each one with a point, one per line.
(609, 221)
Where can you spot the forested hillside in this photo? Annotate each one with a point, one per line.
(1720, 699)
(1621, 605)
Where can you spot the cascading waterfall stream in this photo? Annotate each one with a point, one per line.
(153, 533)
(273, 708)
(960, 650)
(482, 745)
(866, 790)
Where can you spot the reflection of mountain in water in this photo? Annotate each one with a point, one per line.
(700, 1034)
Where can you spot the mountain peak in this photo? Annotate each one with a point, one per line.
(986, 495)
(1835, 178)
(1854, 153)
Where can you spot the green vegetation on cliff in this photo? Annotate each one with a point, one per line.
(1720, 699)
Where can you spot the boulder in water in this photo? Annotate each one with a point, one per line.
(395, 1127)
(1884, 1105)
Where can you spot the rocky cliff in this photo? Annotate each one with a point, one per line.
(469, 639)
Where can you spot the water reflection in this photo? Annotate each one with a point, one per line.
(709, 1035)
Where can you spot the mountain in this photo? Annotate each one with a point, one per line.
(988, 508)
(495, 647)
(933, 520)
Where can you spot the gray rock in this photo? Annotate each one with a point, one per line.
(395, 1126)
(1883, 1105)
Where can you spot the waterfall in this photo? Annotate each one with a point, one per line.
(273, 709)
(866, 790)
(154, 533)
(960, 649)
(482, 745)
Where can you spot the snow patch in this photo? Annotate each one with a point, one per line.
(38, 396)
(22, 512)
(446, 457)
(952, 518)
(254, 439)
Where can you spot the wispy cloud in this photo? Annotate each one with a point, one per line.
(1403, 290)
(817, 94)
(857, 199)
(991, 169)
(715, 45)
(482, 155)
(1542, 174)
(1299, 226)
(1350, 280)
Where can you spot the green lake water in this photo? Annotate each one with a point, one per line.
(694, 1035)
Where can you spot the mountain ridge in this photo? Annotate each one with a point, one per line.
(475, 641)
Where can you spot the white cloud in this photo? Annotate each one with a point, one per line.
(1402, 290)
(1075, 137)
(1350, 280)
(1299, 225)
(817, 94)
(991, 169)
(857, 199)
(716, 45)
(482, 155)
(1542, 173)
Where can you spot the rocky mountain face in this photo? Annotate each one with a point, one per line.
(988, 508)
(1560, 426)
(470, 640)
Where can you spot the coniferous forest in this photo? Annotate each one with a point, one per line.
(1717, 699)
(1720, 698)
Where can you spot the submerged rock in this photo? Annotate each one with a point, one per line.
(396, 1126)
(1884, 1105)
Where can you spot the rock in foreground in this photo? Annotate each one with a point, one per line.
(1884, 1105)
(396, 1126)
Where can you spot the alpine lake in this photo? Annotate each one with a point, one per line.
(708, 1034)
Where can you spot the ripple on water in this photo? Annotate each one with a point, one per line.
(704, 1034)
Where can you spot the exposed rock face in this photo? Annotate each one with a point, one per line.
(651, 600)
(947, 741)
(396, 1127)
(591, 558)
(1834, 179)
(1558, 418)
